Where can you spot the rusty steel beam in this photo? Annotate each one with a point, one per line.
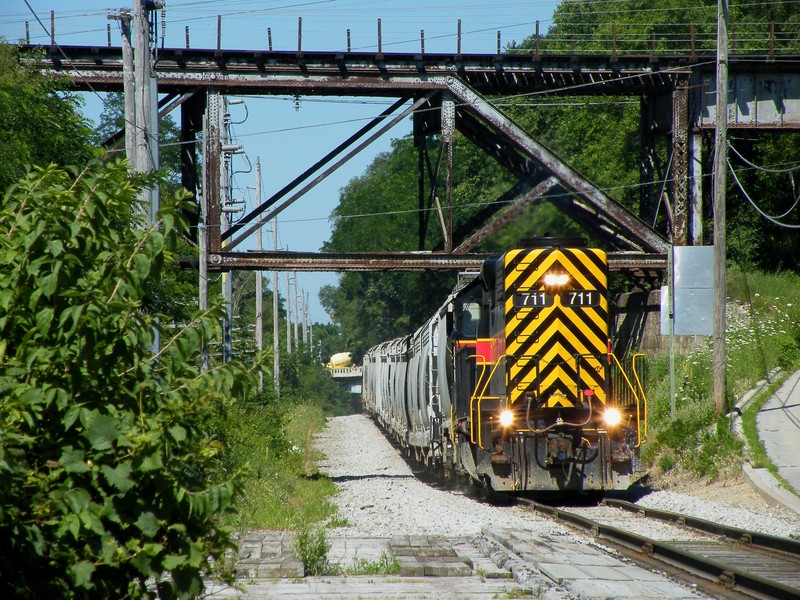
(504, 217)
(680, 167)
(234, 71)
(642, 236)
(393, 261)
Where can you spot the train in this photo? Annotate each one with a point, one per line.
(513, 382)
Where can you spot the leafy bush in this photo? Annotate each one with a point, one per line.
(112, 484)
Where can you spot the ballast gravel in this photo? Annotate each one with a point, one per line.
(380, 497)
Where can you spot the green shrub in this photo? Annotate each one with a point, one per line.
(110, 470)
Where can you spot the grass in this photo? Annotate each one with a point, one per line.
(762, 333)
(284, 490)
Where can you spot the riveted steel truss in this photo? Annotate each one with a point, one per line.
(445, 93)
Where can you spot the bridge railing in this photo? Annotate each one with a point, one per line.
(630, 39)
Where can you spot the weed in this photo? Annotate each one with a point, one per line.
(311, 546)
(338, 522)
(387, 564)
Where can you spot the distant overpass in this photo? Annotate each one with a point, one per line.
(349, 377)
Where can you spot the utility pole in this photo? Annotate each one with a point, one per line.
(276, 347)
(224, 225)
(288, 313)
(296, 315)
(128, 83)
(146, 122)
(720, 181)
(305, 319)
(259, 285)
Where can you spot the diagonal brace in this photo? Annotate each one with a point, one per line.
(308, 172)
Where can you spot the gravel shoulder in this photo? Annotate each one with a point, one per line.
(380, 497)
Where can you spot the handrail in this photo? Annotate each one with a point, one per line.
(639, 439)
(641, 389)
(480, 397)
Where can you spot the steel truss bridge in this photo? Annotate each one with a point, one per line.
(447, 93)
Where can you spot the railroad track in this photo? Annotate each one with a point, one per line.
(746, 562)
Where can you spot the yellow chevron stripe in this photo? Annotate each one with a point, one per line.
(520, 270)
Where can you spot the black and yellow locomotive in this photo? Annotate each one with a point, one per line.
(513, 381)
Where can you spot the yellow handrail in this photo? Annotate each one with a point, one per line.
(641, 389)
(639, 440)
(480, 397)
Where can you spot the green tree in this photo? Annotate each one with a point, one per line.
(112, 484)
(39, 124)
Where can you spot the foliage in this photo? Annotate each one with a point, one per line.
(112, 120)
(762, 333)
(38, 124)
(174, 296)
(112, 483)
(312, 546)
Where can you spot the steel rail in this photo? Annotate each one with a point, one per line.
(754, 538)
(730, 576)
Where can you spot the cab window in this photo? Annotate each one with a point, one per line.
(469, 317)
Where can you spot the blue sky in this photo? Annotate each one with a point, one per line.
(288, 137)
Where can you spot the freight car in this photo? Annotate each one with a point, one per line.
(513, 380)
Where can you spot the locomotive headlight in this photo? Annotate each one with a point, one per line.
(612, 417)
(506, 418)
(556, 279)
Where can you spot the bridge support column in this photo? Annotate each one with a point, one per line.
(448, 136)
(695, 165)
(211, 205)
(191, 123)
(649, 190)
(679, 171)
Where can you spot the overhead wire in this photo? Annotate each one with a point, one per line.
(771, 218)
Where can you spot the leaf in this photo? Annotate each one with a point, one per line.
(171, 561)
(82, 574)
(142, 265)
(178, 433)
(78, 499)
(119, 477)
(102, 432)
(151, 462)
(73, 462)
(48, 284)
(70, 416)
(55, 247)
(43, 319)
(147, 524)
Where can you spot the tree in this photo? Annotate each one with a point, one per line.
(109, 467)
(39, 125)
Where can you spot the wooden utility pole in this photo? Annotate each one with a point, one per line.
(288, 314)
(296, 315)
(128, 83)
(259, 325)
(720, 180)
(276, 347)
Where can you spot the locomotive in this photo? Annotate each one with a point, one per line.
(513, 381)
